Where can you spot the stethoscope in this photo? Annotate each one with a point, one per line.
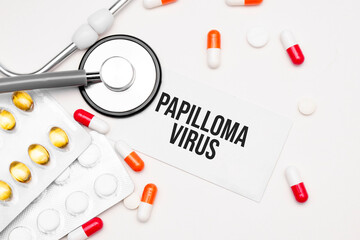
(118, 75)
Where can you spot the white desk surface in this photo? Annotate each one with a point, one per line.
(325, 147)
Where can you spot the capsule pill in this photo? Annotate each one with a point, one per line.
(296, 184)
(86, 230)
(147, 201)
(5, 191)
(38, 154)
(292, 47)
(213, 49)
(7, 120)
(20, 172)
(89, 120)
(23, 101)
(58, 137)
(129, 156)
(243, 2)
(156, 3)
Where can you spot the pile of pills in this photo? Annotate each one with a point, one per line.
(38, 141)
(91, 185)
(130, 157)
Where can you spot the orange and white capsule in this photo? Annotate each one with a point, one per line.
(214, 49)
(243, 2)
(129, 156)
(86, 230)
(147, 201)
(156, 3)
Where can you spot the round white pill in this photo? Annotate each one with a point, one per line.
(90, 156)
(306, 106)
(105, 185)
(48, 220)
(77, 203)
(20, 233)
(132, 202)
(63, 177)
(257, 37)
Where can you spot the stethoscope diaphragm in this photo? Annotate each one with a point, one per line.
(130, 71)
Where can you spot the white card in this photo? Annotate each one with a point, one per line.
(229, 142)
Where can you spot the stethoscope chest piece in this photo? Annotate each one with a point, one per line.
(130, 73)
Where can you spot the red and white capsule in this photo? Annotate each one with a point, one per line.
(214, 49)
(92, 122)
(147, 201)
(296, 184)
(86, 230)
(292, 47)
(129, 156)
(156, 3)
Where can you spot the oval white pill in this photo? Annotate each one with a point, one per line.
(64, 176)
(90, 156)
(306, 106)
(105, 185)
(48, 220)
(132, 202)
(20, 233)
(77, 203)
(257, 37)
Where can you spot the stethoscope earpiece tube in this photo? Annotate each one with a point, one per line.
(48, 80)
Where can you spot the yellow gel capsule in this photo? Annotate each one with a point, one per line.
(7, 120)
(5, 191)
(38, 154)
(20, 172)
(23, 101)
(58, 137)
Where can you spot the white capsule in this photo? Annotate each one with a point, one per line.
(91, 121)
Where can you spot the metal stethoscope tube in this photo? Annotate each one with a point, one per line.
(64, 53)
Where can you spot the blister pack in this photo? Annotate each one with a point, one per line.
(94, 183)
(38, 140)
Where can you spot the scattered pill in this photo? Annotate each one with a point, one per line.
(296, 184)
(23, 101)
(147, 200)
(77, 203)
(58, 137)
(292, 47)
(89, 120)
(156, 3)
(132, 201)
(214, 49)
(306, 106)
(90, 156)
(105, 185)
(129, 156)
(257, 37)
(20, 172)
(64, 176)
(5, 191)
(86, 230)
(243, 2)
(20, 233)
(38, 154)
(7, 120)
(48, 220)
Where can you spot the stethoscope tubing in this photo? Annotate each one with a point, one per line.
(71, 48)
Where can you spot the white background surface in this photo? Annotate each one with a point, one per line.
(325, 146)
